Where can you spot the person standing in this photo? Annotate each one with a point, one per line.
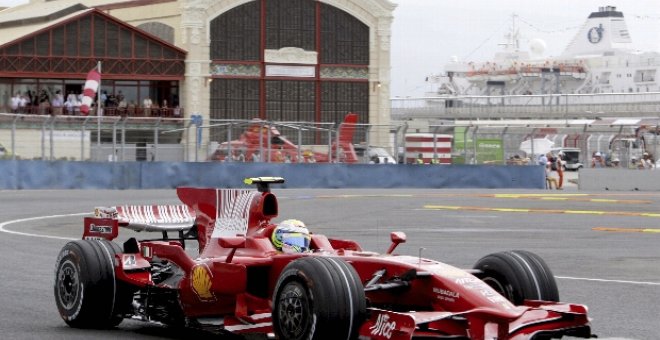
(647, 161)
(549, 178)
(15, 102)
(57, 103)
(597, 160)
(560, 170)
(543, 159)
(147, 104)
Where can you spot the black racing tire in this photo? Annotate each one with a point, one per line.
(318, 298)
(87, 293)
(518, 275)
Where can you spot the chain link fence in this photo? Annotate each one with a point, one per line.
(117, 138)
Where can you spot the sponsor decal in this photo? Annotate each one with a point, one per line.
(93, 238)
(201, 280)
(101, 229)
(383, 326)
(489, 146)
(485, 290)
(446, 295)
(129, 260)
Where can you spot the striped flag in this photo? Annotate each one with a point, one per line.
(91, 85)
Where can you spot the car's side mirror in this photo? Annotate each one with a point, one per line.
(233, 243)
(397, 237)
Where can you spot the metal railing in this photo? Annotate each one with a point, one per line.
(117, 138)
(130, 138)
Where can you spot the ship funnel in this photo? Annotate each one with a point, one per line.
(603, 32)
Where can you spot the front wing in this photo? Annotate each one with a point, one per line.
(541, 317)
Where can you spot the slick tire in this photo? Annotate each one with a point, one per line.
(318, 298)
(518, 275)
(87, 294)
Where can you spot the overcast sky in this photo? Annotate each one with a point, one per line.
(427, 33)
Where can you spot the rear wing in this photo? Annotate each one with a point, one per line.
(152, 218)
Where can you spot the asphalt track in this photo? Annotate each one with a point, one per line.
(602, 247)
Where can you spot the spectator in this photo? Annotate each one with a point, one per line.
(543, 159)
(647, 162)
(147, 104)
(112, 157)
(256, 156)
(559, 165)
(57, 103)
(616, 163)
(44, 102)
(374, 160)
(597, 160)
(122, 105)
(68, 106)
(634, 164)
(549, 178)
(420, 159)
(70, 97)
(241, 156)
(131, 108)
(279, 157)
(309, 156)
(15, 102)
(22, 104)
(104, 98)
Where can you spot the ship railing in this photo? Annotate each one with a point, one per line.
(528, 106)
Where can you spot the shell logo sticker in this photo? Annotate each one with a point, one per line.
(201, 282)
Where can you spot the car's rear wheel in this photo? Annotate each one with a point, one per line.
(518, 275)
(318, 298)
(86, 291)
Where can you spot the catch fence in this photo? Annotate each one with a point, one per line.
(494, 142)
(130, 138)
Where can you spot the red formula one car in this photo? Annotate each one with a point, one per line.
(240, 283)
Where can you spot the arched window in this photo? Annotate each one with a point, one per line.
(320, 73)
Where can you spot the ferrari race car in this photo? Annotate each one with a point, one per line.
(238, 282)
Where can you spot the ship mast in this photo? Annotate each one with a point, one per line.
(512, 43)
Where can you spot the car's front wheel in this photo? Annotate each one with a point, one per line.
(86, 292)
(318, 298)
(518, 275)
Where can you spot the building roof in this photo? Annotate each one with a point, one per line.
(25, 31)
(15, 32)
(18, 21)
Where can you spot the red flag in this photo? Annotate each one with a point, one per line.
(91, 86)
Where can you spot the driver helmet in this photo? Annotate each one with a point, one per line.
(291, 236)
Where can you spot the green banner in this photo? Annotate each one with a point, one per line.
(490, 151)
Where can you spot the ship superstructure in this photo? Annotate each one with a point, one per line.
(600, 59)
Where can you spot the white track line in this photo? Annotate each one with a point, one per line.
(5, 230)
(609, 281)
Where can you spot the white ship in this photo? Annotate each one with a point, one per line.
(600, 59)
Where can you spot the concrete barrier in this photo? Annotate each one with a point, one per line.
(619, 180)
(161, 175)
